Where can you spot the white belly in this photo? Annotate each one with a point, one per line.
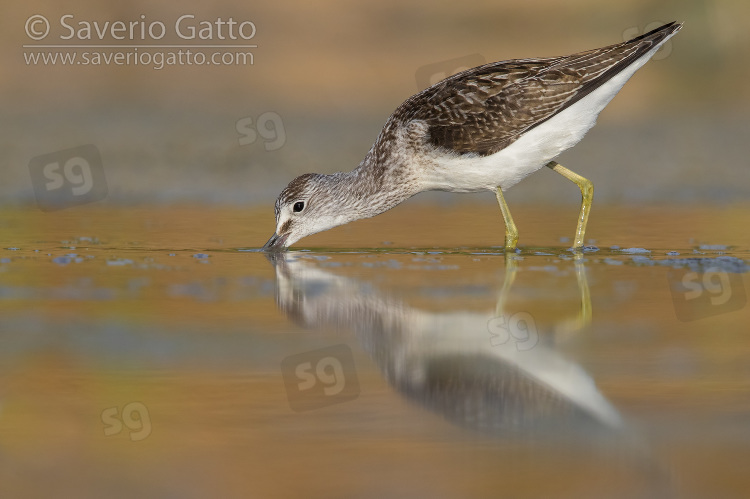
(469, 173)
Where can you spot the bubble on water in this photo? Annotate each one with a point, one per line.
(729, 264)
(612, 261)
(713, 247)
(643, 260)
(62, 260)
(119, 262)
(673, 253)
(633, 251)
(547, 268)
(200, 256)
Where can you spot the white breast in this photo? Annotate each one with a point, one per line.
(468, 173)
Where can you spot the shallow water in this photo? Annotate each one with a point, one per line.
(151, 352)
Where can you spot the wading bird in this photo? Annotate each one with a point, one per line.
(486, 128)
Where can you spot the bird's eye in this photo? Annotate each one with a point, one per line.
(298, 206)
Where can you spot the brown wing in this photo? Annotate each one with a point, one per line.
(485, 109)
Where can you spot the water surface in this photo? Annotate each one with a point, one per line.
(149, 351)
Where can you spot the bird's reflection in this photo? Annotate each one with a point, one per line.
(489, 371)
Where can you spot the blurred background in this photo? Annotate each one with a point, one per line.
(135, 300)
(325, 76)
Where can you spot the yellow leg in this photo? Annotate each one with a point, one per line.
(511, 233)
(511, 267)
(583, 287)
(566, 329)
(587, 196)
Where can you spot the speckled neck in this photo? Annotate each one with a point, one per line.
(381, 181)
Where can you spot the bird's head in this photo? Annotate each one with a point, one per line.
(306, 206)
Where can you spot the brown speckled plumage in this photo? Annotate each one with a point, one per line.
(484, 109)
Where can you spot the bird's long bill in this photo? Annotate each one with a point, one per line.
(276, 243)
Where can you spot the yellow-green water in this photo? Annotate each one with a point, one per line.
(145, 352)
